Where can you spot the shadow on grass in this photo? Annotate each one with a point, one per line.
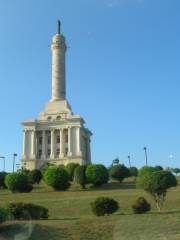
(114, 186)
(31, 231)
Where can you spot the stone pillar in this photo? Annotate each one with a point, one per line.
(58, 48)
(52, 144)
(24, 145)
(43, 156)
(61, 155)
(89, 150)
(33, 144)
(78, 141)
(69, 142)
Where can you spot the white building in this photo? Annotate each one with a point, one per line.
(57, 135)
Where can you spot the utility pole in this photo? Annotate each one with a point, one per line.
(129, 159)
(14, 159)
(145, 151)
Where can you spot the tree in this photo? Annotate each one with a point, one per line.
(2, 179)
(158, 168)
(35, 176)
(70, 167)
(80, 175)
(57, 177)
(18, 182)
(97, 174)
(119, 172)
(133, 172)
(157, 185)
(143, 174)
(176, 170)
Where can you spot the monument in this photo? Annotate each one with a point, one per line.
(57, 136)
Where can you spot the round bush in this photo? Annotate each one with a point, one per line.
(18, 182)
(104, 205)
(141, 206)
(144, 174)
(35, 176)
(80, 175)
(97, 174)
(25, 211)
(70, 167)
(57, 177)
(119, 172)
(2, 179)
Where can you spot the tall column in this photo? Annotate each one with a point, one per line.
(69, 142)
(24, 145)
(61, 154)
(52, 144)
(33, 144)
(78, 141)
(58, 48)
(43, 156)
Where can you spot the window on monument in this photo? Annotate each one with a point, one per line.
(58, 139)
(40, 140)
(49, 118)
(49, 139)
(49, 152)
(57, 151)
(39, 153)
(66, 138)
(58, 117)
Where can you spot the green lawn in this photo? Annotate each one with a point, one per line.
(71, 218)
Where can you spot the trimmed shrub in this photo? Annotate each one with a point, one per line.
(119, 172)
(25, 211)
(143, 175)
(70, 167)
(57, 177)
(158, 184)
(104, 205)
(133, 172)
(141, 206)
(35, 176)
(80, 175)
(3, 215)
(2, 179)
(18, 182)
(97, 174)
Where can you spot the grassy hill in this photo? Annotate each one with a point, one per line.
(71, 217)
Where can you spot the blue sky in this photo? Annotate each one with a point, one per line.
(122, 73)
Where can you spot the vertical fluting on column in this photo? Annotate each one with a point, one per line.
(61, 155)
(33, 144)
(43, 156)
(52, 144)
(69, 142)
(24, 144)
(58, 48)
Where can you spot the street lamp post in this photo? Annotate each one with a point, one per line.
(129, 158)
(145, 151)
(2, 157)
(14, 159)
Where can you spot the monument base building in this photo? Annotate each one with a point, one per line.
(57, 136)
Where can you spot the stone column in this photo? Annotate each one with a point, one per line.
(78, 141)
(89, 150)
(61, 155)
(24, 144)
(52, 144)
(58, 48)
(69, 142)
(43, 156)
(33, 144)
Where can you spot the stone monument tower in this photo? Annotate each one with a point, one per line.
(57, 135)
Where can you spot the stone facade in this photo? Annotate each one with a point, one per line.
(57, 136)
